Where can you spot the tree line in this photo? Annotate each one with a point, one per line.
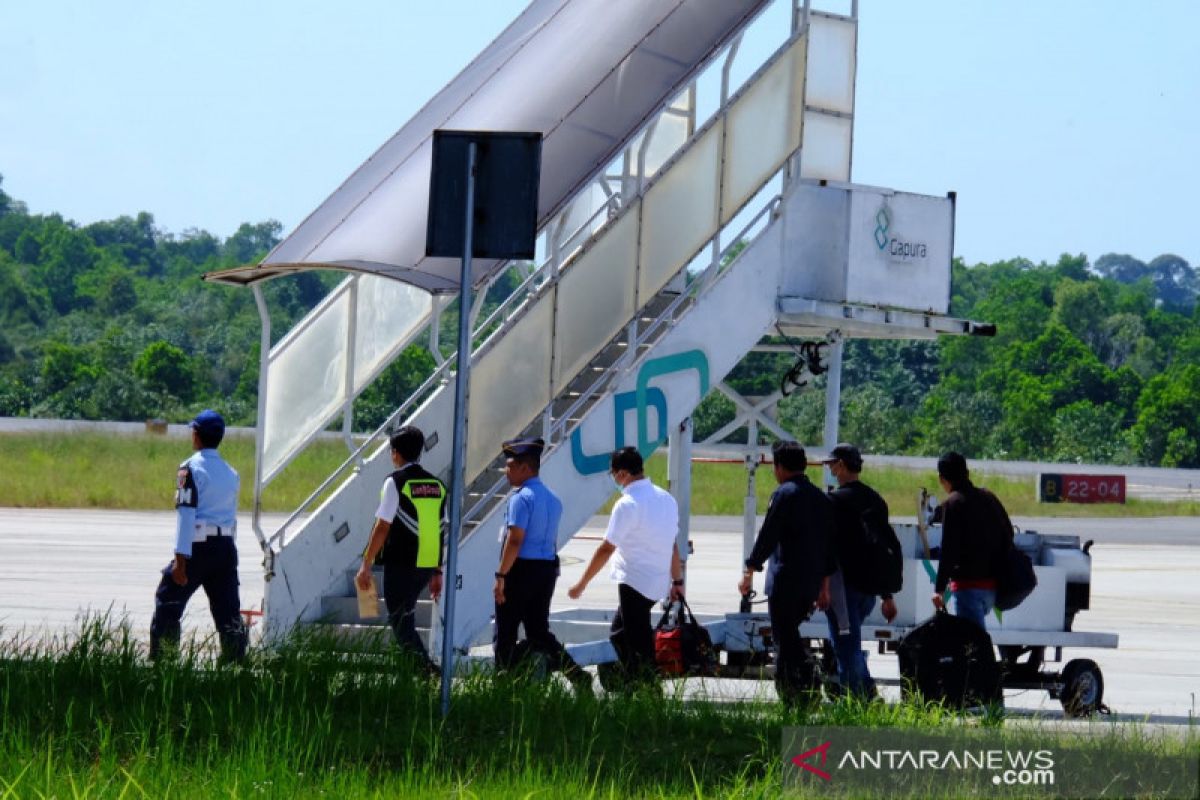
(1092, 361)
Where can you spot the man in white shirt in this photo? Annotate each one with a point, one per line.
(642, 532)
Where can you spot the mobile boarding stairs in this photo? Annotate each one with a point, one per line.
(672, 240)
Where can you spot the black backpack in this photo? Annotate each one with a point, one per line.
(950, 659)
(883, 560)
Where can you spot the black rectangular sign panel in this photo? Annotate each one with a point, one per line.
(507, 172)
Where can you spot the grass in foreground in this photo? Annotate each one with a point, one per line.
(138, 473)
(88, 717)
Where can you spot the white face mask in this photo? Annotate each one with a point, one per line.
(616, 482)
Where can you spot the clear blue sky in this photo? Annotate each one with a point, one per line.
(1065, 126)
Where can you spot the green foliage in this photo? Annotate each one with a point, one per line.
(1090, 362)
(1168, 421)
(165, 369)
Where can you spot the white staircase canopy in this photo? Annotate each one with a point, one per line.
(585, 73)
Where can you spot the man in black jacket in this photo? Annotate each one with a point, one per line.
(854, 506)
(796, 536)
(976, 535)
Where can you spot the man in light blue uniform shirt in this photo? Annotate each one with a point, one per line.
(529, 566)
(206, 496)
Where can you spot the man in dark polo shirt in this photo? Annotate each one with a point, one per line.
(796, 536)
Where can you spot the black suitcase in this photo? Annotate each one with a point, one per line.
(950, 659)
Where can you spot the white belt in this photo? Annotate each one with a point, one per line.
(204, 531)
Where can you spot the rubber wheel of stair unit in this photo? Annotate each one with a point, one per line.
(1082, 688)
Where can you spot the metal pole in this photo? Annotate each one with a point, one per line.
(460, 435)
(679, 481)
(750, 503)
(749, 506)
(833, 401)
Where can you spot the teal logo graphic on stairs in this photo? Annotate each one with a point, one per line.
(641, 399)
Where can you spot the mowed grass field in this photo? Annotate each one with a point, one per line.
(138, 472)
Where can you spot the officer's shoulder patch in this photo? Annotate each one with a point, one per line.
(183, 475)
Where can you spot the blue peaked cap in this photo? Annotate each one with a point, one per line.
(209, 423)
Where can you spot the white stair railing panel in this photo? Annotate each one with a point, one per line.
(762, 129)
(680, 211)
(509, 384)
(832, 63)
(595, 298)
(829, 98)
(306, 381)
(826, 148)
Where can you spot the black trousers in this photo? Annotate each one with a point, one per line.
(632, 635)
(796, 676)
(213, 567)
(528, 590)
(402, 586)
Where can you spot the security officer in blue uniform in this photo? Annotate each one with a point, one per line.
(206, 497)
(529, 566)
(408, 539)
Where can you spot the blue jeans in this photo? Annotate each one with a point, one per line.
(974, 604)
(852, 663)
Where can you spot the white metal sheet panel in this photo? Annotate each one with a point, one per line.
(595, 298)
(679, 213)
(763, 129)
(826, 149)
(831, 64)
(600, 68)
(509, 385)
(306, 380)
(900, 250)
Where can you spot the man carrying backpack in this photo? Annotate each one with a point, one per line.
(976, 535)
(871, 564)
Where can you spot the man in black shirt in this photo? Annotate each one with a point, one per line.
(796, 536)
(854, 505)
(410, 531)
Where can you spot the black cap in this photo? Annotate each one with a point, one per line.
(522, 447)
(847, 454)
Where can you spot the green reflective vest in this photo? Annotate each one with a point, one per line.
(427, 495)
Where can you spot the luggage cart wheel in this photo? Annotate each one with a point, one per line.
(1082, 688)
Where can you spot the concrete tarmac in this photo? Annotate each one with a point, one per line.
(57, 564)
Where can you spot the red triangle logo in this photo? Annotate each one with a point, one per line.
(822, 750)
